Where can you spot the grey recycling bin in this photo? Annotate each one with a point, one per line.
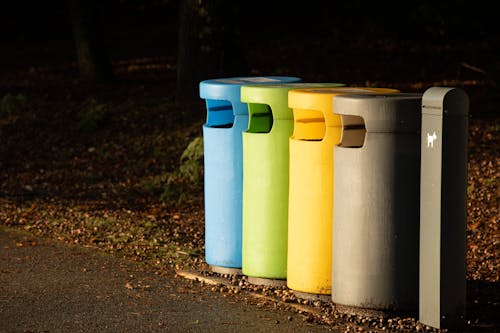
(376, 200)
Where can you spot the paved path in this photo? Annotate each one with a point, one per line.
(47, 286)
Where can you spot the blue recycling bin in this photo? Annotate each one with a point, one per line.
(227, 118)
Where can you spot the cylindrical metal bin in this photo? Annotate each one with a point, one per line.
(265, 179)
(377, 178)
(227, 118)
(316, 131)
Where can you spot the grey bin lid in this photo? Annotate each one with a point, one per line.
(387, 113)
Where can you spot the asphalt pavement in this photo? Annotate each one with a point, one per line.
(50, 286)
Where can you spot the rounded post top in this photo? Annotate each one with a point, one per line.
(445, 101)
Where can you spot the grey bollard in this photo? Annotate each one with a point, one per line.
(376, 200)
(443, 207)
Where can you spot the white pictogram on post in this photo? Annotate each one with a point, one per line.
(431, 139)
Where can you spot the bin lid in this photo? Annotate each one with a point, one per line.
(445, 101)
(276, 95)
(381, 113)
(228, 89)
(321, 99)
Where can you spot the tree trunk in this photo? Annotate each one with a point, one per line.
(208, 45)
(93, 61)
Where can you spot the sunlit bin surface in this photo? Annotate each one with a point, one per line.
(227, 118)
(316, 131)
(376, 199)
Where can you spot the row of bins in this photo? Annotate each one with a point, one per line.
(316, 186)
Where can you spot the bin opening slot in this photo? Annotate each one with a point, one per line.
(309, 125)
(219, 113)
(353, 131)
(261, 118)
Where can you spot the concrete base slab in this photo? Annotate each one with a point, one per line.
(312, 297)
(266, 282)
(226, 270)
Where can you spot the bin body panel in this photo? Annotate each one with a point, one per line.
(265, 201)
(377, 216)
(376, 260)
(310, 214)
(223, 188)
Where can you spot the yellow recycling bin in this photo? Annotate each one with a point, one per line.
(310, 214)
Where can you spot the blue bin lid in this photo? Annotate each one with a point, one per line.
(228, 89)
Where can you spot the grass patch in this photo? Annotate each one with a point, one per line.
(10, 104)
(91, 116)
(188, 177)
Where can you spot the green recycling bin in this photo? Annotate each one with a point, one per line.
(265, 180)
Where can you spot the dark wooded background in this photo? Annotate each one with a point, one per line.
(353, 41)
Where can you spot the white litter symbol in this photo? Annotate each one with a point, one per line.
(431, 139)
